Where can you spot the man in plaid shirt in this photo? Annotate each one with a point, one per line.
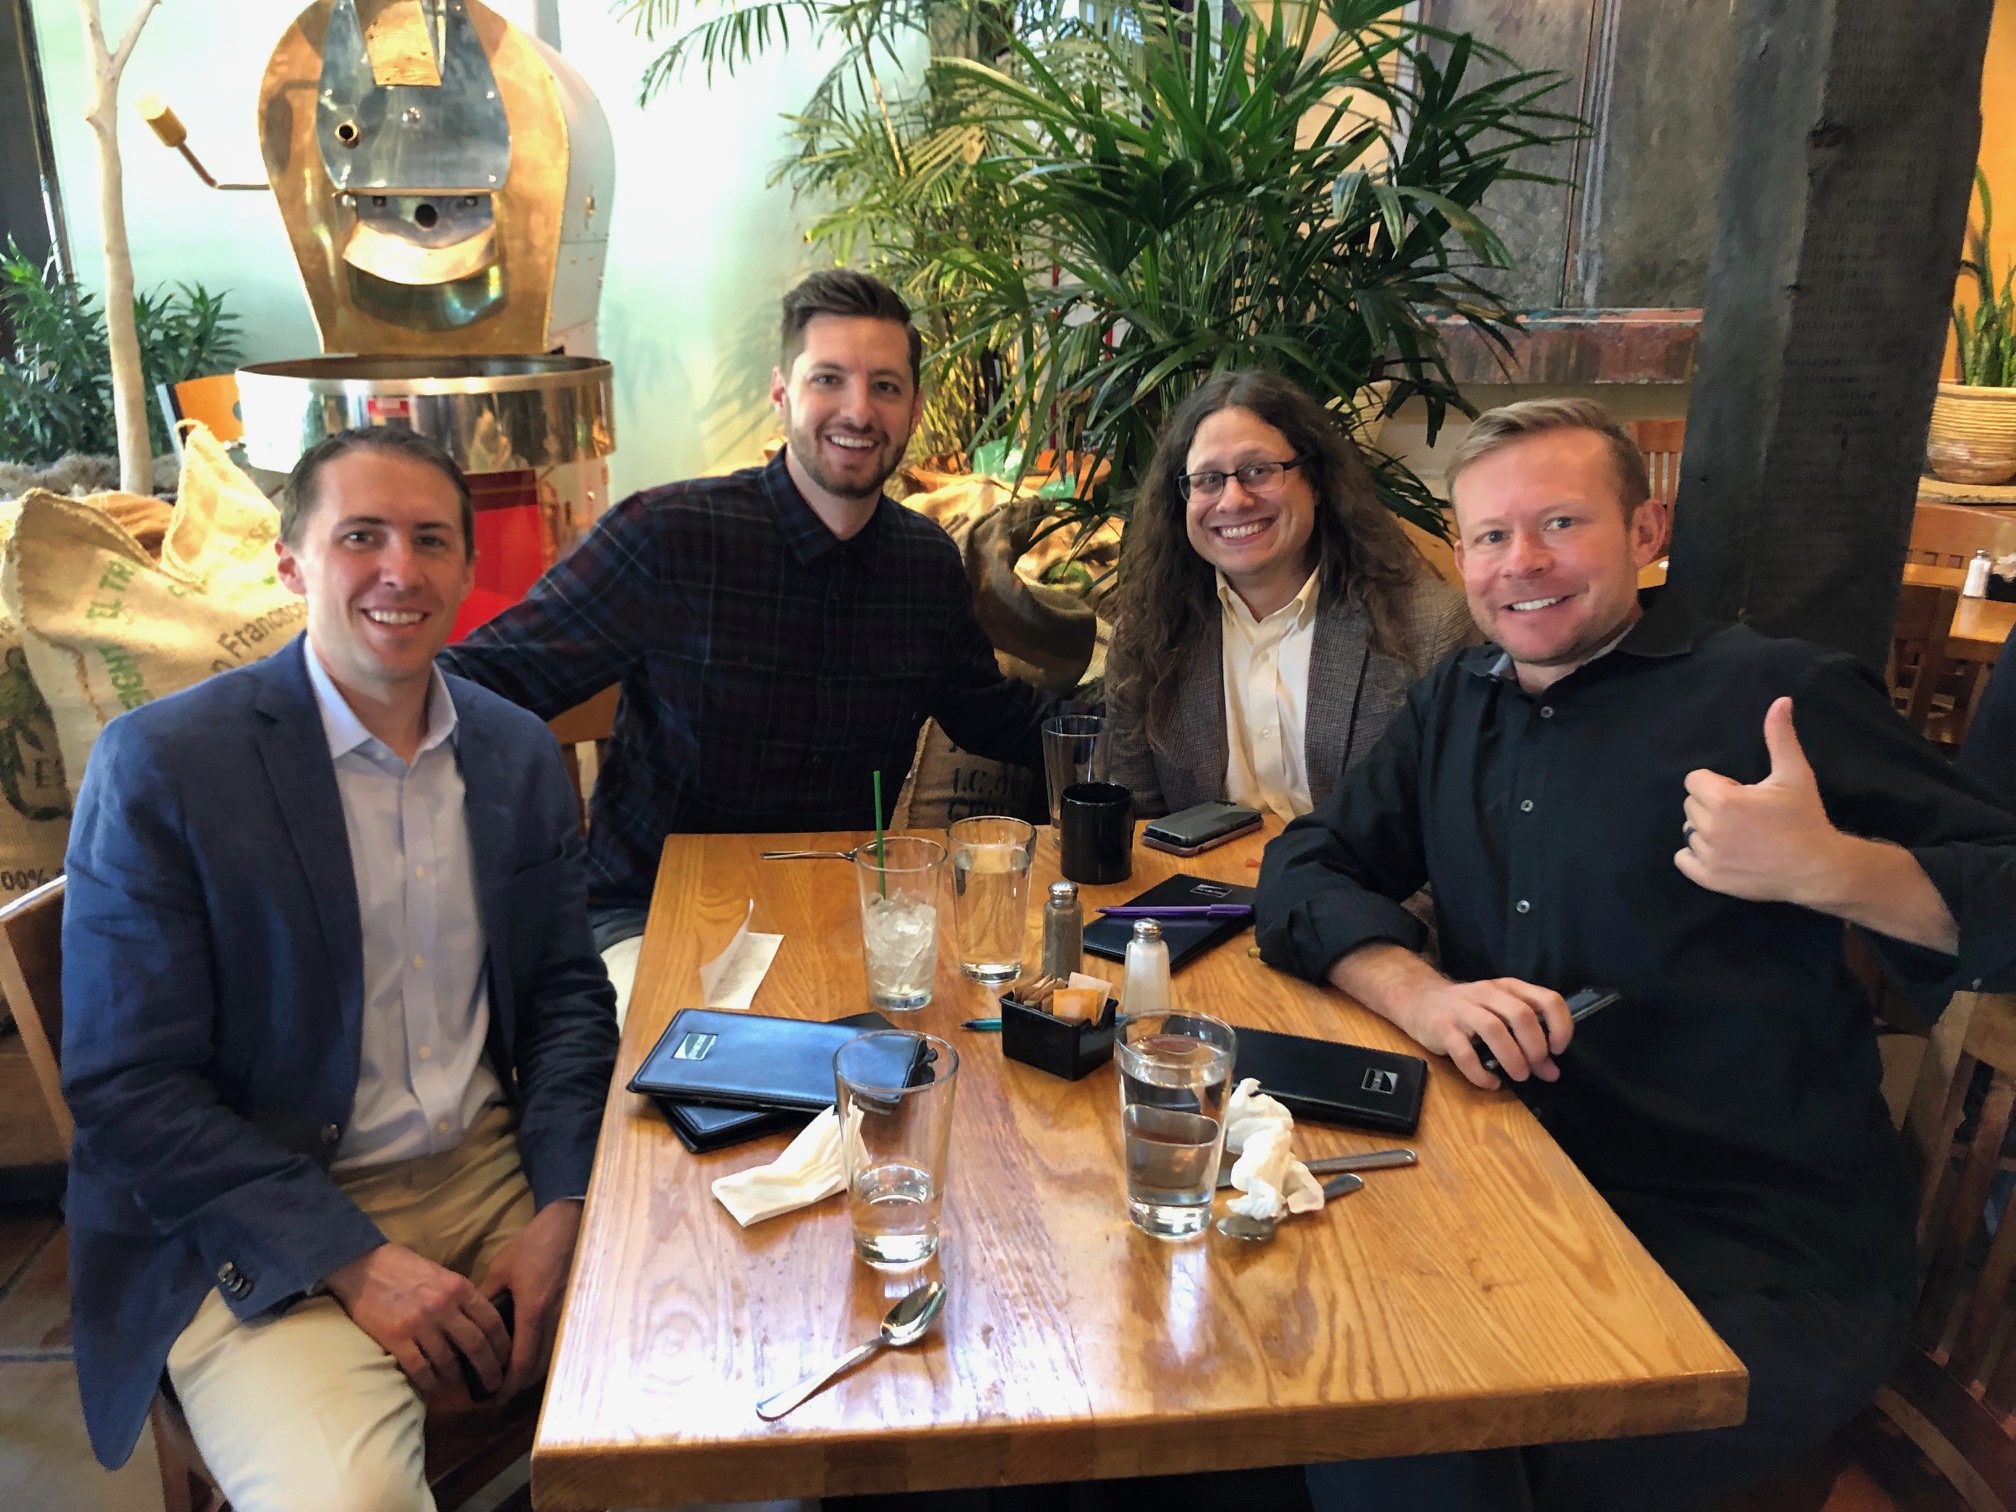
(780, 634)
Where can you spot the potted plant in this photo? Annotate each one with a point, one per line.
(1973, 433)
(56, 384)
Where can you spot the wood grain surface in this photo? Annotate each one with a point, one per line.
(1486, 1297)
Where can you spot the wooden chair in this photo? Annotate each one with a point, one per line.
(1948, 535)
(1954, 1395)
(583, 732)
(1931, 689)
(465, 1452)
(1662, 442)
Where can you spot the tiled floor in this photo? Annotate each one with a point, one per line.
(46, 1464)
(45, 1460)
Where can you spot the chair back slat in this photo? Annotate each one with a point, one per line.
(1920, 668)
(1948, 535)
(588, 725)
(1662, 442)
(31, 976)
(1959, 1379)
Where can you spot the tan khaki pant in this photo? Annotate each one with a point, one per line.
(305, 1412)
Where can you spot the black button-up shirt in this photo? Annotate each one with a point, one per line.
(768, 667)
(1728, 1107)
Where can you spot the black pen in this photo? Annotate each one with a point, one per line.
(994, 1024)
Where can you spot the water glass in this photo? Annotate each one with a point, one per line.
(991, 856)
(1074, 750)
(1175, 1077)
(901, 880)
(894, 1093)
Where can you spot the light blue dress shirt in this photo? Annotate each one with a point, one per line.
(422, 1079)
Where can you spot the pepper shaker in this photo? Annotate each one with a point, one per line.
(1063, 933)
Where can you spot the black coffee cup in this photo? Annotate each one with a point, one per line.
(1095, 832)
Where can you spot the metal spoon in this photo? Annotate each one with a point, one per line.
(846, 855)
(908, 1321)
(1239, 1226)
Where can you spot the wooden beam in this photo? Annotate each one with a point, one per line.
(1839, 228)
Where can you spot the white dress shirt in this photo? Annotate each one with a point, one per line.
(422, 1079)
(1267, 700)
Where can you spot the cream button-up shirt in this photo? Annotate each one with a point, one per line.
(1267, 700)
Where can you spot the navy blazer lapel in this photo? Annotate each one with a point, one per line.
(294, 749)
(485, 804)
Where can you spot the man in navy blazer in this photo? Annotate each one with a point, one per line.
(336, 1036)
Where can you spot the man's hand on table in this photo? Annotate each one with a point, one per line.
(1522, 1025)
(423, 1314)
(533, 1268)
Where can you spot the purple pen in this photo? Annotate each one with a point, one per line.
(1181, 911)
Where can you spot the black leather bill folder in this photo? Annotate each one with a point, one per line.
(1330, 1082)
(1187, 939)
(721, 1078)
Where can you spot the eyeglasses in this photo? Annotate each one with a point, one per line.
(1254, 477)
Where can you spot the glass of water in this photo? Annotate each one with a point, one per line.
(1074, 751)
(990, 890)
(1175, 1076)
(901, 882)
(895, 1103)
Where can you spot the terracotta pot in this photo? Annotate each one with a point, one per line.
(1973, 434)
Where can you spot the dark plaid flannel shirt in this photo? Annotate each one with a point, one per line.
(768, 668)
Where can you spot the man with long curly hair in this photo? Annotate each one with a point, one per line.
(1271, 615)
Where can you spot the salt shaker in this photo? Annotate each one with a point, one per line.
(1063, 932)
(1146, 987)
(1976, 585)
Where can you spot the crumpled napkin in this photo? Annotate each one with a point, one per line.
(808, 1171)
(1248, 1111)
(1271, 1181)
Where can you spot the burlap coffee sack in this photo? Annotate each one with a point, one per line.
(106, 628)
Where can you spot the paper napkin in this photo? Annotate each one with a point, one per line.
(730, 980)
(807, 1172)
(1271, 1181)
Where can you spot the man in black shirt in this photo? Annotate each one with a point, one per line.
(1686, 814)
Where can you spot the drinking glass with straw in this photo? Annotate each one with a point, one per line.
(900, 880)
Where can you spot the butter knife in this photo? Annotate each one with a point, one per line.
(1378, 1160)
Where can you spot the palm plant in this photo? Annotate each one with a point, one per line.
(1097, 210)
(1985, 338)
(1300, 193)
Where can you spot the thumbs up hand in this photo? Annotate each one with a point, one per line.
(1768, 841)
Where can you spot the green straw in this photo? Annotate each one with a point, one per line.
(881, 850)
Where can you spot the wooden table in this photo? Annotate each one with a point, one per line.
(1980, 626)
(1488, 1297)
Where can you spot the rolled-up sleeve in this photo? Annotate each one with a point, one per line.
(1333, 880)
(1881, 780)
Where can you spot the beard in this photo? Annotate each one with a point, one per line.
(862, 480)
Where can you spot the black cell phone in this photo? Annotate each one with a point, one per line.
(1589, 1000)
(502, 1302)
(1199, 827)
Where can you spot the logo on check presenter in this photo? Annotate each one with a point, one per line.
(1385, 1083)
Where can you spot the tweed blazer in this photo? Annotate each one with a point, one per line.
(1353, 696)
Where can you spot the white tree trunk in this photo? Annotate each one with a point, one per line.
(129, 388)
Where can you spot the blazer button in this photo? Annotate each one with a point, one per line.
(331, 1133)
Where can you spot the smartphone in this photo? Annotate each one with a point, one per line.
(1199, 827)
(1589, 1000)
(474, 1382)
